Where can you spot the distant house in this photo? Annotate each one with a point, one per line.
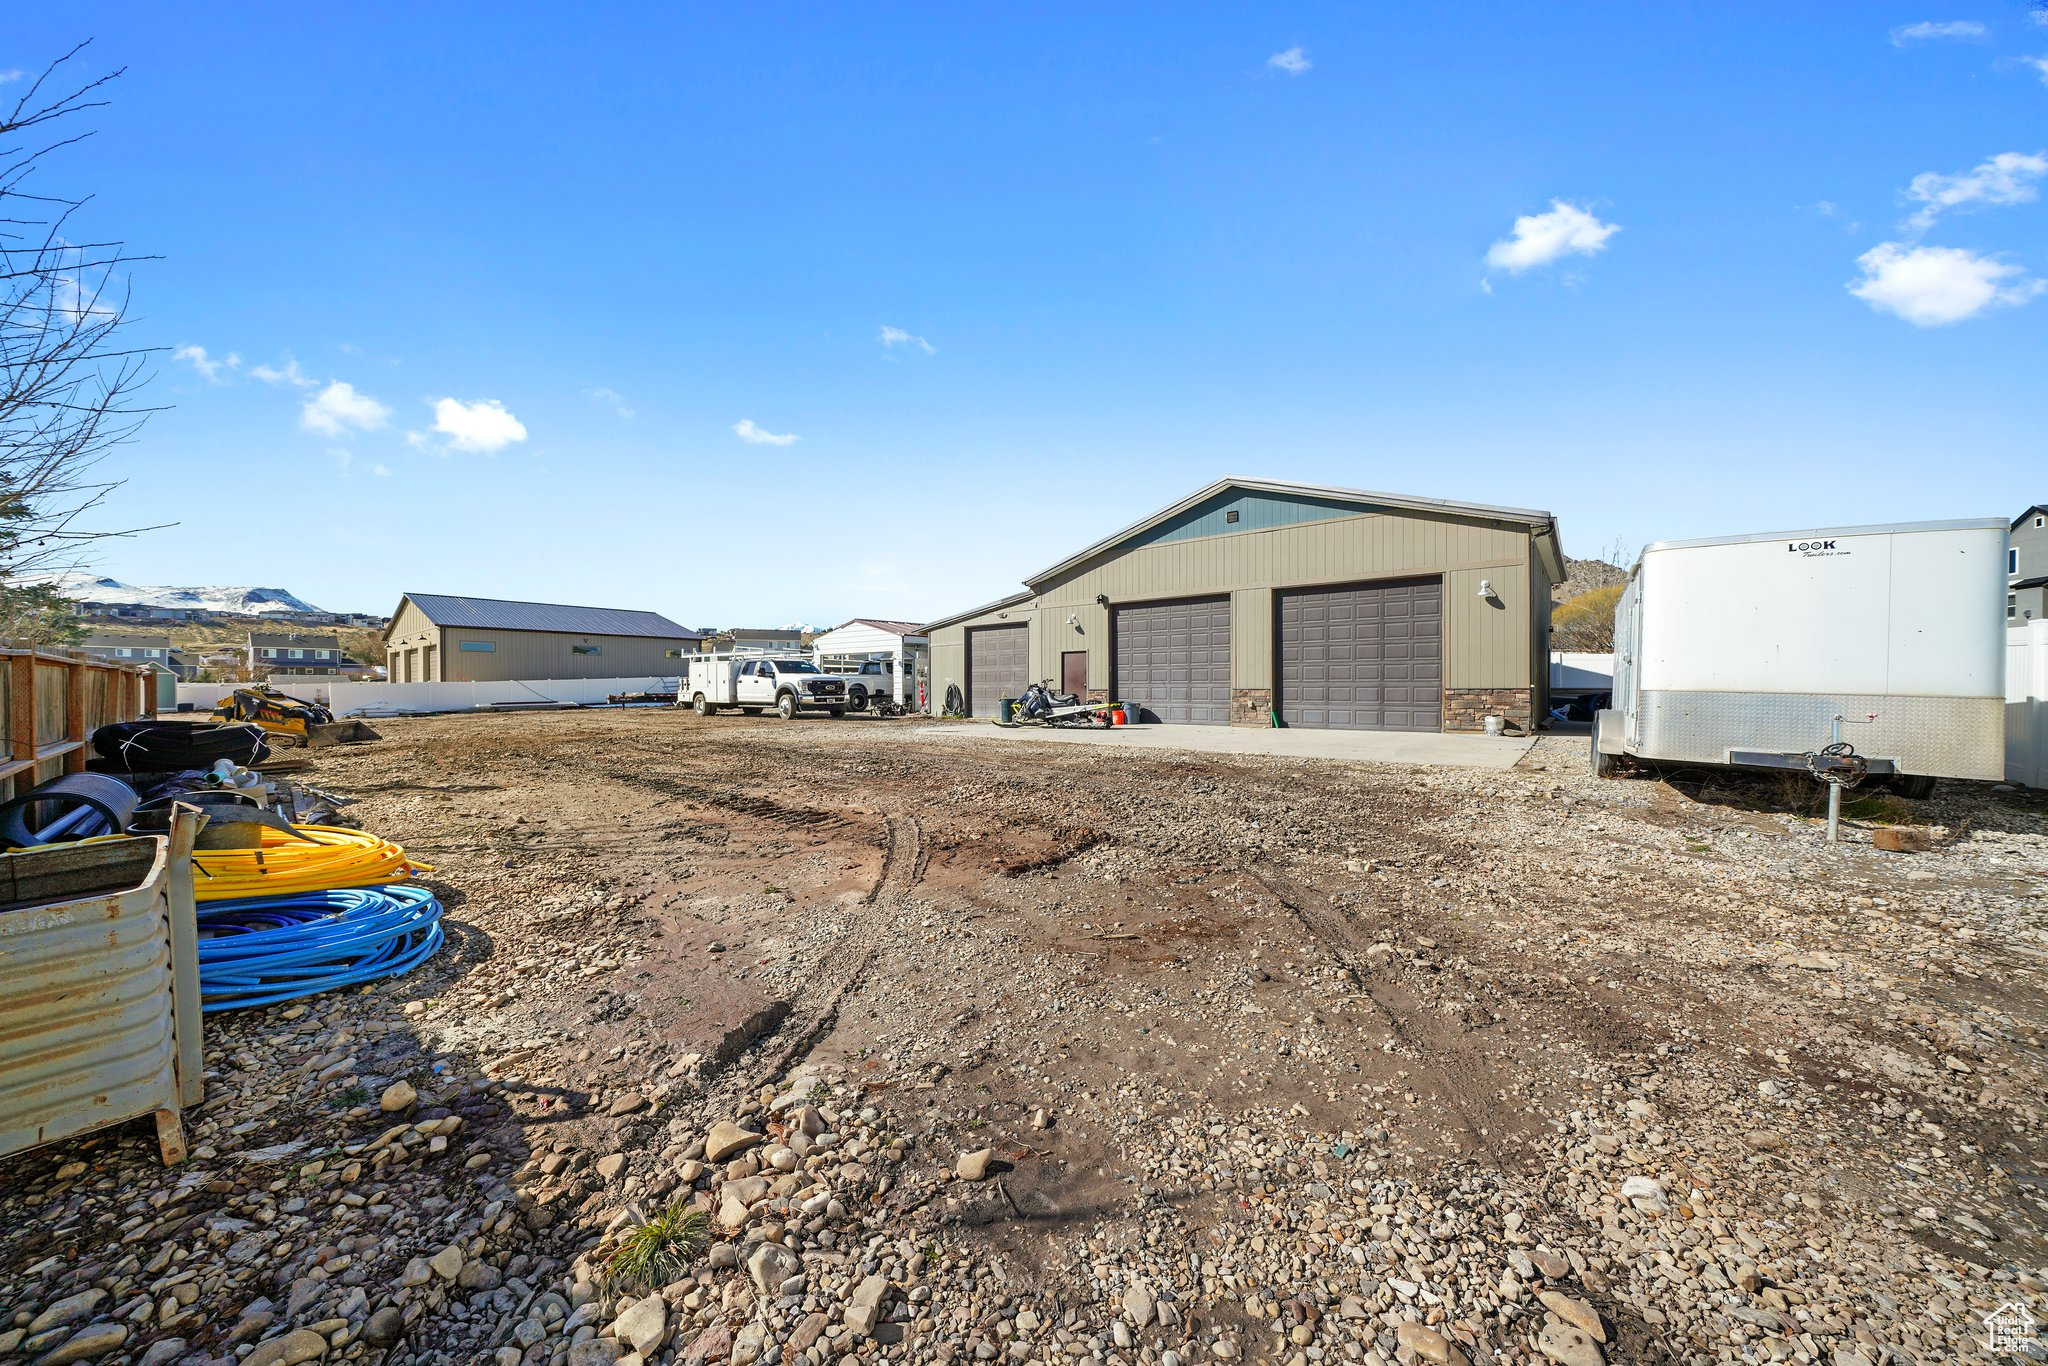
(186, 664)
(132, 647)
(439, 638)
(291, 654)
(755, 638)
(2026, 567)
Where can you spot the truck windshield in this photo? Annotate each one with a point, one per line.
(795, 666)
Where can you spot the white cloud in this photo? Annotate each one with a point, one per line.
(2007, 178)
(746, 431)
(2040, 64)
(611, 398)
(896, 336)
(339, 407)
(1293, 61)
(1541, 238)
(1929, 31)
(480, 426)
(1936, 286)
(288, 373)
(381, 470)
(207, 366)
(11, 74)
(79, 301)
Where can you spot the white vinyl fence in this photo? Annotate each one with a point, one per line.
(1580, 671)
(349, 699)
(2026, 704)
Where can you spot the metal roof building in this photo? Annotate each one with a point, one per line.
(1256, 601)
(443, 638)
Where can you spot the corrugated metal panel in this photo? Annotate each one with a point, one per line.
(544, 654)
(99, 1006)
(862, 637)
(1532, 522)
(1239, 511)
(498, 614)
(949, 642)
(1485, 646)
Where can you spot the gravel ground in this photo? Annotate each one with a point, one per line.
(1034, 1053)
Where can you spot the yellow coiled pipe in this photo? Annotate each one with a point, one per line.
(322, 858)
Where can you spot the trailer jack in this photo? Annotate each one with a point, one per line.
(1839, 766)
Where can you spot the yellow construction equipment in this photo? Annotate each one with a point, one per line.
(289, 720)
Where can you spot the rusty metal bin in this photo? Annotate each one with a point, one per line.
(99, 989)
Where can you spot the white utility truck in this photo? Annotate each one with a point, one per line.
(756, 682)
(1885, 642)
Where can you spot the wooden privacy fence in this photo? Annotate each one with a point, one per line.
(53, 702)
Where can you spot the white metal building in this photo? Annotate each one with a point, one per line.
(900, 646)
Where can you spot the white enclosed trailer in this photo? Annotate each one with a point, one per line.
(1759, 651)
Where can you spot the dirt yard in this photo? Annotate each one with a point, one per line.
(1055, 1054)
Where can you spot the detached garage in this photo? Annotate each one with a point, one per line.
(1255, 602)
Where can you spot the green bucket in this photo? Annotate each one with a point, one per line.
(1006, 711)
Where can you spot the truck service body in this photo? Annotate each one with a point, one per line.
(757, 682)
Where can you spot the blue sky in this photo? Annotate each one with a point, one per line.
(505, 285)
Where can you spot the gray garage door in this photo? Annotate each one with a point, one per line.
(1366, 658)
(1173, 658)
(998, 665)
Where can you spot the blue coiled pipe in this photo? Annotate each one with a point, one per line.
(260, 950)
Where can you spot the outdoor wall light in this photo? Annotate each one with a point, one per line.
(1102, 599)
(1486, 589)
(1073, 619)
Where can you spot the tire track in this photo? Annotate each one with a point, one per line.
(902, 868)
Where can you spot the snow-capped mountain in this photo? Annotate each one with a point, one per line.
(81, 586)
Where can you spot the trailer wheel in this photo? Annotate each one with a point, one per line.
(1913, 786)
(1604, 765)
(785, 706)
(701, 705)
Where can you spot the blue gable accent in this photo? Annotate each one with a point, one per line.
(1255, 512)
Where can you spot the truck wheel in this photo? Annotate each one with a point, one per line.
(785, 706)
(701, 705)
(1913, 786)
(857, 698)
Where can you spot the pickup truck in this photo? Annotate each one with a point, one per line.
(875, 682)
(789, 685)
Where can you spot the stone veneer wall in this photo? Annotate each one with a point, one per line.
(1251, 707)
(1465, 708)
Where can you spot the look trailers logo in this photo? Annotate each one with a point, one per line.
(1813, 549)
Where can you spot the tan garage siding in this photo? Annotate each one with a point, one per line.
(1485, 646)
(949, 643)
(409, 630)
(545, 654)
(528, 640)
(1494, 646)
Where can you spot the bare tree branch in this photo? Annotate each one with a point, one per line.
(69, 383)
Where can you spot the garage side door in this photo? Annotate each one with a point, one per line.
(1367, 658)
(998, 663)
(1173, 658)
